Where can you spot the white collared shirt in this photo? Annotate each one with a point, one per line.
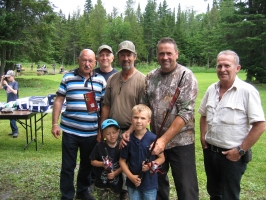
(229, 120)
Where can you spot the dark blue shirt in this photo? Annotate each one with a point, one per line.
(10, 95)
(135, 153)
(106, 75)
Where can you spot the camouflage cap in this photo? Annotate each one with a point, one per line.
(10, 73)
(104, 47)
(126, 45)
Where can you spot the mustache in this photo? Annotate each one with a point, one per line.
(87, 67)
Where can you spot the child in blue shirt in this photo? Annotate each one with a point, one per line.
(133, 155)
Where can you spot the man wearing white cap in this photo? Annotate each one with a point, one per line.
(105, 58)
(11, 88)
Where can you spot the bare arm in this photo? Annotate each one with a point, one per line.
(55, 115)
(105, 112)
(171, 132)
(254, 134)
(134, 178)
(125, 137)
(203, 131)
(97, 163)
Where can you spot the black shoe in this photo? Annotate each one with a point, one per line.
(86, 196)
(15, 135)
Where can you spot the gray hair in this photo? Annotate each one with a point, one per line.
(232, 53)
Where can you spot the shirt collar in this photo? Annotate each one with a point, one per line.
(235, 85)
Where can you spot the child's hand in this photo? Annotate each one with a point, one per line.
(136, 180)
(111, 175)
(145, 167)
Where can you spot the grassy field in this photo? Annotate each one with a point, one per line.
(30, 174)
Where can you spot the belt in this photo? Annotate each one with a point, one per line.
(216, 149)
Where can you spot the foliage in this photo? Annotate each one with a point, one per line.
(31, 31)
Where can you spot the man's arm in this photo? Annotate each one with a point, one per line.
(254, 134)
(203, 131)
(55, 115)
(105, 112)
(171, 132)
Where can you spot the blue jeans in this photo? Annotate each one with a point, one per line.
(223, 175)
(70, 145)
(13, 126)
(183, 165)
(135, 194)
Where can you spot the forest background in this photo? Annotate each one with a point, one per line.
(30, 31)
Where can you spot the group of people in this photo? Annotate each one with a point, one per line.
(114, 141)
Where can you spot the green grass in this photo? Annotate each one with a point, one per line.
(30, 174)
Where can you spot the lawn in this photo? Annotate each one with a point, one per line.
(30, 174)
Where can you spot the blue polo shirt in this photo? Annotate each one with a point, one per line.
(135, 153)
(76, 119)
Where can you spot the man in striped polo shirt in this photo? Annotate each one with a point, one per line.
(79, 127)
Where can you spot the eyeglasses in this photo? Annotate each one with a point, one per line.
(89, 61)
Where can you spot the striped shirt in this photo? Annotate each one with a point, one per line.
(76, 119)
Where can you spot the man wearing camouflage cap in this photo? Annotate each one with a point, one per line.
(124, 90)
(105, 58)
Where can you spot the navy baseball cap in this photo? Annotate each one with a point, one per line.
(109, 122)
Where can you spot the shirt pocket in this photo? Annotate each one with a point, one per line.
(233, 113)
(210, 111)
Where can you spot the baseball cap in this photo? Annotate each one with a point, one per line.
(109, 122)
(10, 73)
(104, 47)
(126, 45)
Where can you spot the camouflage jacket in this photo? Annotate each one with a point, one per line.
(159, 90)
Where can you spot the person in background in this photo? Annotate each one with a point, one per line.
(31, 66)
(178, 133)
(123, 91)
(11, 88)
(61, 69)
(231, 122)
(105, 58)
(80, 127)
(18, 69)
(133, 156)
(53, 67)
(105, 159)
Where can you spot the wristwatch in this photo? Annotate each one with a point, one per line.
(241, 151)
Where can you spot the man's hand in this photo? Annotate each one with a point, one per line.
(159, 146)
(56, 131)
(204, 144)
(124, 140)
(232, 154)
